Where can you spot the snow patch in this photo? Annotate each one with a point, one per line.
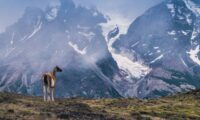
(187, 87)
(195, 34)
(171, 8)
(67, 31)
(135, 44)
(155, 48)
(144, 45)
(95, 13)
(193, 7)
(83, 28)
(115, 19)
(175, 38)
(52, 14)
(193, 53)
(136, 69)
(76, 48)
(158, 51)
(173, 32)
(85, 93)
(184, 32)
(88, 35)
(158, 58)
(183, 62)
(35, 30)
(180, 17)
(188, 19)
(150, 53)
(23, 38)
(12, 39)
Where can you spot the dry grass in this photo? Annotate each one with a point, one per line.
(182, 106)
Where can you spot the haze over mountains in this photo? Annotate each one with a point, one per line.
(157, 56)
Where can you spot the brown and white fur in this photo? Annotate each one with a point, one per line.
(49, 80)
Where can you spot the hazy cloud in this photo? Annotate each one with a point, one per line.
(11, 10)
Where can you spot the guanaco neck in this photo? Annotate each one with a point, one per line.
(54, 73)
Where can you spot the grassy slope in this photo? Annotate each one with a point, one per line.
(182, 106)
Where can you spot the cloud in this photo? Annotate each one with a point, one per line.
(126, 10)
(12, 10)
(121, 12)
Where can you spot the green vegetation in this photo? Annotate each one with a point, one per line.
(181, 106)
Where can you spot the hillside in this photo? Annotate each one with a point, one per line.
(182, 106)
(166, 39)
(62, 35)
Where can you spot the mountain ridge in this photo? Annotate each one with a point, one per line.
(162, 39)
(62, 35)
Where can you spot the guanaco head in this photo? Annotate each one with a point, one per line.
(57, 69)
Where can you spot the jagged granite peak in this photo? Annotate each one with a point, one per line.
(166, 37)
(71, 39)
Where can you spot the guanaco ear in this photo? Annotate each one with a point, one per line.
(58, 68)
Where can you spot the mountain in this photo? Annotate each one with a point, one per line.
(158, 56)
(180, 106)
(166, 39)
(65, 35)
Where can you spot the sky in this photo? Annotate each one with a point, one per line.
(120, 11)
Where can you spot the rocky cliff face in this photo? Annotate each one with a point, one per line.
(62, 35)
(166, 38)
(158, 56)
